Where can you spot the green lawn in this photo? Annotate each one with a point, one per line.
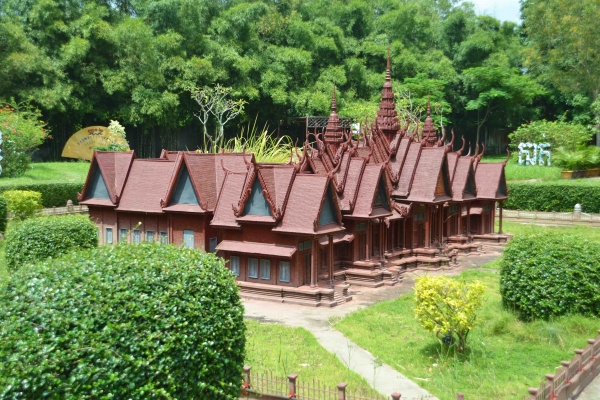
(284, 350)
(518, 228)
(516, 172)
(50, 172)
(506, 356)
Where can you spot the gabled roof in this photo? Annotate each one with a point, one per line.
(394, 167)
(147, 185)
(182, 180)
(452, 159)
(114, 168)
(372, 178)
(491, 181)
(408, 169)
(431, 182)
(463, 184)
(354, 176)
(306, 200)
(229, 197)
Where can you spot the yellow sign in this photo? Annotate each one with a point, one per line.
(81, 144)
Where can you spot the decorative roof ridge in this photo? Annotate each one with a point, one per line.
(460, 151)
(336, 205)
(507, 157)
(274, 209)
(440, 142)
(482, 152)
(402, 209)
(118, 195)
(387, 191)
(394, 178)
(287, 192)
(246, 191)
(414, 170)
(450, 145)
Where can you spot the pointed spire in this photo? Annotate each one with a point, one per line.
(334, 101)
(429, 104)
(388, 72)
(387, 117)
(429, 135)
(334, 133)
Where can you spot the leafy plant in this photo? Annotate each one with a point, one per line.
(559, 134)
(54, 194)
(572, 160)
(117, 139)
(23, 203)
(3, 214)
(39, 238)
(553, 196)
(128, 322)
(448, 307)
(22, 132)
(550, 274)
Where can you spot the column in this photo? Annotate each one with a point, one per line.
(404, 233)
(468, 223)
(314, 259)
(382, 243)
(441, 211)
(460, 206)
(368, 241)
(428, 227)
(331, 278)
(500, 219)
(393, 227)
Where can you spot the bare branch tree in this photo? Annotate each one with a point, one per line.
(207, 101)
(225, 110)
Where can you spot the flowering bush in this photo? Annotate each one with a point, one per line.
(22, 132)
(448, 307)
(117, 140)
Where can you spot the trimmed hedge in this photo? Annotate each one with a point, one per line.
(3, 214)
(54, 194)
(553, 196)
(125, 322)
(39, 238)
(551, 274)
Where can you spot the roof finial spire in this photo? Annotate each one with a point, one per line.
(388, 73)
(429, 104)
(333, 100)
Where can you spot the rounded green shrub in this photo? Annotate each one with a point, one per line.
(139, 321)
(3, 214)
(23, 203)
(39, 238)
(54, 194)
(551, 274)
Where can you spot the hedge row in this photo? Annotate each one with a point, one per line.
(551, 274)
(54, 194)
(553, 196)
(39, 238)
(144, 321)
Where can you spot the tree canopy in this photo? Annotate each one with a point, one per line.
(88, 61)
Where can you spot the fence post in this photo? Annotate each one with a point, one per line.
(460, 396)
(532, 393)
(550, 380)
(579, 353)
(342, 390)
(292, 382)
(247, 377)
(396, 396)
(69, 206)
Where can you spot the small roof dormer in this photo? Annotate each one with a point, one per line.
(106, 178)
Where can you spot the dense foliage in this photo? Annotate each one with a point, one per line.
(22, 132)
(3, 214)
(550, 274)
(54, 194)
(559, 134)
(580, 159)
(448, 307)
(39, 238)
(23, 203)
(127, 322)
(553, 196)
(89, 61)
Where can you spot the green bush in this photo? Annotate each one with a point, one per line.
(39, 238)
(125, 322)
(551, 274)
(53, 194)
(3, 214)
(554, 196)
(580, 159)
(23, 203)
(558, 134)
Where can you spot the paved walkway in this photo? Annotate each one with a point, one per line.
(592, 391)
(382, 377)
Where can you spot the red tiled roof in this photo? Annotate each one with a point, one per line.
(369, 184)
(408, 170)
(228, 198)
(397, 161)
(337, 238)
(342, 172)
(490, 178)
(304, 205)
(188, 208)
(355, 171)
(114, 167)
(261, 249)
(97, 202)
(463, 172)
(452, 159)
(147, 185)
(277, 180)
(430, 169)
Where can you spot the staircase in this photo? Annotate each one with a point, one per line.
(338, 297)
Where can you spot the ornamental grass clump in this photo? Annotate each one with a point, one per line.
(549, 274)
(448, 307)
(39, 238)
(143, 321)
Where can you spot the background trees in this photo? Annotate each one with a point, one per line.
(90, 61)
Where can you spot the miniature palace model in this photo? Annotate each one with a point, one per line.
(347, 212)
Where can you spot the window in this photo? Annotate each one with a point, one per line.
(265, 269)
(108, 239)
(361, 227)
(234, 264)
(487, 207)
(122, 235)
(188, 239)
(212, 245)
(136, 236)
(164, 239)
(306, 245)
(252, 268)
(150, 236)
(284, 271)
(419, 216)
(453, 209)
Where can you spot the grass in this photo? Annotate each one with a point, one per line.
(285, 350)
(516, 228)
(505, 356)
(515, 172)
(50, 172)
